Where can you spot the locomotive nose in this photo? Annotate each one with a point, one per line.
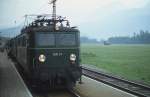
(55, 57)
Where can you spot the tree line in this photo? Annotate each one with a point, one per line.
(143, 37)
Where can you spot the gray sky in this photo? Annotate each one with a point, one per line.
(95, 18)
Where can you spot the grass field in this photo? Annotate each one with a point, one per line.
(129, 61)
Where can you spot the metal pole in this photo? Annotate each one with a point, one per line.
(54, 10)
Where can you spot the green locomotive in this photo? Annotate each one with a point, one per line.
(48, 51)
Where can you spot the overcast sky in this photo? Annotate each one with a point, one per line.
(98, 19)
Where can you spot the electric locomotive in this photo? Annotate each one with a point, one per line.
(49, 50)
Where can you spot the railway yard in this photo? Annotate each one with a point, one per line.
(45, 56)
(12, 85)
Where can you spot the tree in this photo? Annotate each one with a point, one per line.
(143, 37)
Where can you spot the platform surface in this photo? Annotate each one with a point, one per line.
(11, 83)
(92, 88)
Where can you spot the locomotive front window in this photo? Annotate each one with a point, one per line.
(66, 39)
(43, 39)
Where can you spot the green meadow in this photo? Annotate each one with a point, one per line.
(129, 61)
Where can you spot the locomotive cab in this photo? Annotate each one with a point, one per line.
(48, 51)
(54, 54)
(57, 49)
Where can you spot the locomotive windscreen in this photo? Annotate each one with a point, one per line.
(45, 39)
(66, 39)
(57, 39)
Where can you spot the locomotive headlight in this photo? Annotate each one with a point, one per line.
(72, 57)
(42, 58)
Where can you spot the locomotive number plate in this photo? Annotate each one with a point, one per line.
(57, 54)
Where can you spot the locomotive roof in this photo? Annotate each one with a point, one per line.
(42, 24)
(48, 29)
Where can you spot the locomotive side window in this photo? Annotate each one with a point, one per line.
(43, 39)
(19, 42)
(66, 39)
(24, 41)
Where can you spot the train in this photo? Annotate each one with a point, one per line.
(48, 50)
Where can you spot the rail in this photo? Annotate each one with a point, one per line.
(73, 92)
(122, 84)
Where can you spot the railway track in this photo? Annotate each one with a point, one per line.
(56, 93)
(122, 84)
(74, 94)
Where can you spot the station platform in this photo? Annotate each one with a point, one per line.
(11, 83)
(93, 88)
